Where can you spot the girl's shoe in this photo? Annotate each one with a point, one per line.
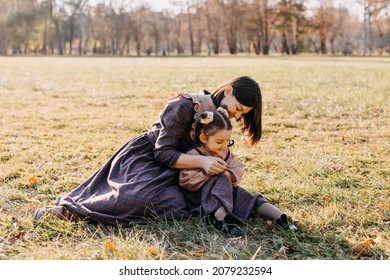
(286, 223)
(228, 229)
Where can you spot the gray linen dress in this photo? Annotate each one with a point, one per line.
(139, 182)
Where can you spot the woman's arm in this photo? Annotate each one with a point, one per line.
(176, 120)
(211, 165)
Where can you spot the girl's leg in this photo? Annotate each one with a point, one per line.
(220, 214)
(270, 211)
(217, 200)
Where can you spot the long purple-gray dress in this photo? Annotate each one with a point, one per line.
(139, 182)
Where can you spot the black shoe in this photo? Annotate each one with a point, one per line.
(228, 229)
(286, 223)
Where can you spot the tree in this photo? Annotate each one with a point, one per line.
(101, 29)
(56, 13)
(260, 25)
(75, 8)
(190, 31)
(346, 31)
(213, 25)
(137, 25)
(372, 11)
(232, 12)
(290, 24)
(22, 26)
(325, 22)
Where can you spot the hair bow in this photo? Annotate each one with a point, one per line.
(207, 117)
(223, 111)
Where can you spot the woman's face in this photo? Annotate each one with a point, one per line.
(234, 108)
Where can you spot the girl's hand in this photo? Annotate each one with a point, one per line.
(214, 165)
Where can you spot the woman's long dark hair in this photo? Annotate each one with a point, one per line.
(248, 93)
(220, 121)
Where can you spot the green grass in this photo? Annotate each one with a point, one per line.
(324, 158)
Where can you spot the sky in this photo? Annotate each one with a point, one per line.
(158, 5)
(353, 6)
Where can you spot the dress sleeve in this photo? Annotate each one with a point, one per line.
(175, 121)
(236, 167)
(193, 179)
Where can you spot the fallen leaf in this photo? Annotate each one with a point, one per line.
(327, 198)
(362, 249)
(269, 166)
(276, 255)
(270, 224)
(317, 177)
(378, 239)
(32, 180)
(383, 206)
(20, 235)
(336, 248)
(259, 185)
(109, 245)
(287, 248)
(154, 250)
(199, 252)
(284, 250)
(368, 241)
(253, 230)
(303, 214)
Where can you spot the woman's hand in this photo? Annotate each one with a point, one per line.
(214, 165)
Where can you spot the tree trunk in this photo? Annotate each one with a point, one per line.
(192, 44)
(285, 46)
(44, 39)
(58, 37)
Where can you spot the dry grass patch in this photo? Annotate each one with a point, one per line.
(324, 157)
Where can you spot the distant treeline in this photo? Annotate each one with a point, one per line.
(193, 27)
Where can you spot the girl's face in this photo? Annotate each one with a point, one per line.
(234, 108)
(218, 142)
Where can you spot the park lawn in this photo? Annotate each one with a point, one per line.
(324, 157)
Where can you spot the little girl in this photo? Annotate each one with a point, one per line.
(218, 196)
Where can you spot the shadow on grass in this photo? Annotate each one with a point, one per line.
(194, 239)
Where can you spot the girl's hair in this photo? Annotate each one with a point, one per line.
(209, 123)
(248, 93)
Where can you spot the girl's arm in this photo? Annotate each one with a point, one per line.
(235, 169)
(193, 179)
(231, 176)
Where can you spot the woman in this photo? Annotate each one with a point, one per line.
(140, 181)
